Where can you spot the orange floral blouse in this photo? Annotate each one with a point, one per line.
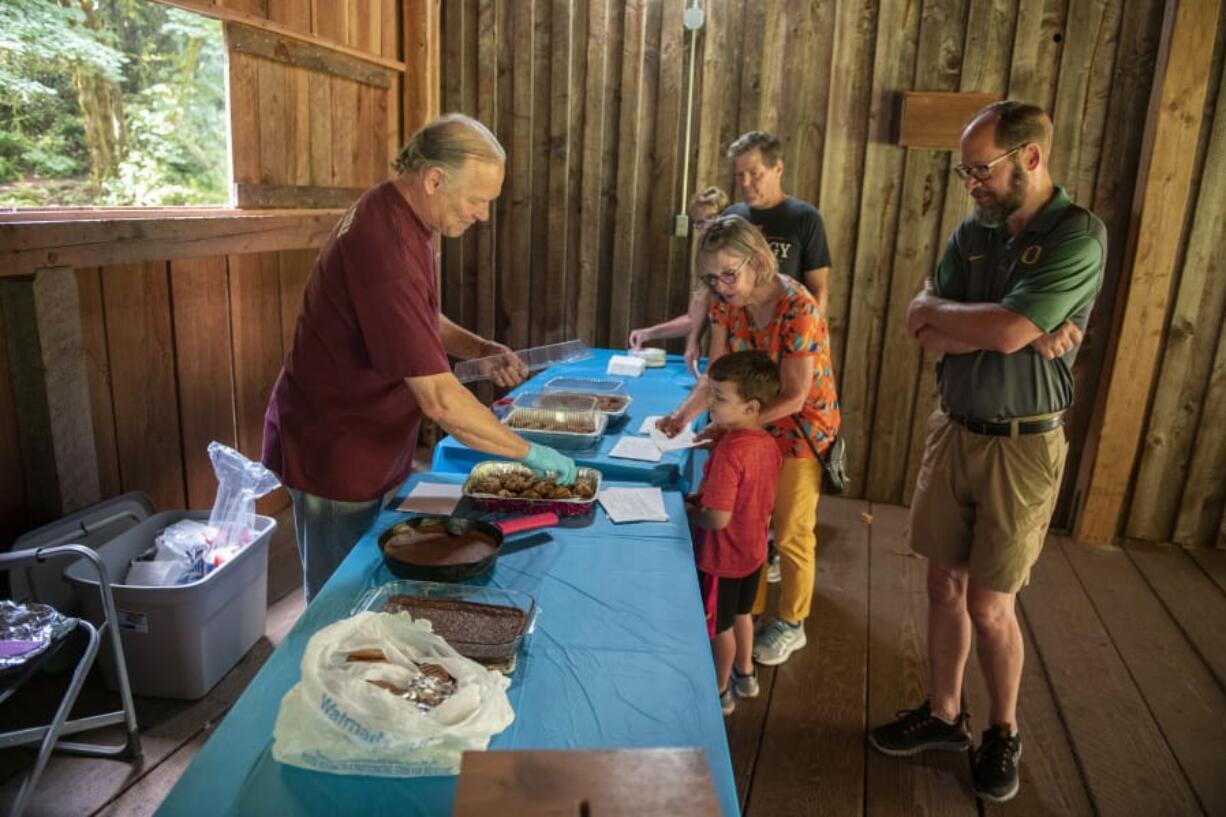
(797, 330)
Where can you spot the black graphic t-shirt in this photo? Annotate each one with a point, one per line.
(794, 230)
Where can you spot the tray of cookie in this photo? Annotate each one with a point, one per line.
(558, 428)
(508, 487)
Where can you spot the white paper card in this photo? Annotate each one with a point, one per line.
(626, 365)
(432, 497)
(634, 504)
(684, 439)
(636, 448)
(649, 423)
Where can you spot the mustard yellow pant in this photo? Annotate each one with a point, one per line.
(795, 523)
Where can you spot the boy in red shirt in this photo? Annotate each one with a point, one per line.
(730, 515)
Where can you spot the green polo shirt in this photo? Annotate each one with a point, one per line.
(1050, 272)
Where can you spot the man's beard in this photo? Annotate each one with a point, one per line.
(994, 211)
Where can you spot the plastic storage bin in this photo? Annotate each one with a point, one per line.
(179, 641)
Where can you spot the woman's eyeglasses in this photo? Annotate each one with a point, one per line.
(727, 277)
(980, 173)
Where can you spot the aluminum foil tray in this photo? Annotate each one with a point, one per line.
(506, 504)
(557, 401)
(554, 433)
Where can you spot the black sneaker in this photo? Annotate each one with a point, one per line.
(995, 767)
(918, 730)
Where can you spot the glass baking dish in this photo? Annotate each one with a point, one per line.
(477, 618)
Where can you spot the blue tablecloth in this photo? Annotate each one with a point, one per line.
(619, 659)
(657, 391)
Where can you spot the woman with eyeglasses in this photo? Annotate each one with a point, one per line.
(758, 308)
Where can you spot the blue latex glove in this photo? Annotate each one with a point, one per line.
(542, 459)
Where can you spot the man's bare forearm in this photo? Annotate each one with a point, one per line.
(458, 341)
(936, 341)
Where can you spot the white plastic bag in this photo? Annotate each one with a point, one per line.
(335, 720)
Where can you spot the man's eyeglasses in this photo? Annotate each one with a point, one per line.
(980, 173)
(726, 277)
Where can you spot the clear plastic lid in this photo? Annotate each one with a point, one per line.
(555, 420)
(593, 385)
(535, 359)
(556, 401)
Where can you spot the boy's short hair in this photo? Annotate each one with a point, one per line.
(756, 376)
(710, 197)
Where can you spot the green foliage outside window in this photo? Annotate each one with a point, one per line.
(110, 102)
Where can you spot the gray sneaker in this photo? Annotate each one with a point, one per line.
(727, 701)
(774, 573)
(777, 641)
(745, 686)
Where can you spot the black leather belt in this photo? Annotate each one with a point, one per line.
(1008, 429)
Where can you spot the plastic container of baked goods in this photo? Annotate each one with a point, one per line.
(486, 624)
(484, 487)
(572, 430)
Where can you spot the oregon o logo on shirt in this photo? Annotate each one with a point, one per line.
(1031, 254)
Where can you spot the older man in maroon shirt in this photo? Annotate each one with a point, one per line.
(369, 356)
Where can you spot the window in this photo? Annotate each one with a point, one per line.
(111, 103)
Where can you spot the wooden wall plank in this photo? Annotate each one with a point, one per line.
(1111, 201)
(915, 256)
(344, 139)
(538, 332)
(368, 133)
(1151, 644)
(1037, 48)
(640, 74)
(1082, 92)
(255, 309)
(847, 124)
(1204, 498)
(817, 706)
(293, 14)
(1196, 319)
(201, 310)
(718, 113)
(244, 118)
(330, 20)
(298, 126)
(876, 227)
(142, 358)
(805, 124)
(274, 121)
(294, 267)
(319, 92)
(515, 245)
(389, 34)
(315, 56)
(1167, 167)
(487, 34)
(1127, 765)
(931, 783)
(98, 371)
(421, 43)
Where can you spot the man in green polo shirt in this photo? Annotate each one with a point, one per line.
(1006, 311)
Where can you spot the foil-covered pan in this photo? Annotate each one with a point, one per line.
(506, 504)
(558, 429)
(612, 406)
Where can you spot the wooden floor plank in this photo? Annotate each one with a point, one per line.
(812, 756)
(143, 798)
(934, 783)
(1191, 597)
(1185, 698)
(1212, 561)
(1051, 782)
(744, 728)
(1129, 768)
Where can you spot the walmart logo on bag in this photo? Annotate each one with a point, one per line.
(333, 713)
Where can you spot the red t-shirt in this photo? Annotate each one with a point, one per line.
(341, 423)
(740, 476)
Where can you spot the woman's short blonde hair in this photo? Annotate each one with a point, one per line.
(737, 236)
(448, 142)
(710, 197)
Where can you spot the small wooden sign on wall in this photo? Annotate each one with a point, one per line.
(935, 119)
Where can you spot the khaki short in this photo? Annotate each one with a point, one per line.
(985, 502)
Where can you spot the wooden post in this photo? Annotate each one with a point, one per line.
(422, 47)
(42, 321)
(1168, 158)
